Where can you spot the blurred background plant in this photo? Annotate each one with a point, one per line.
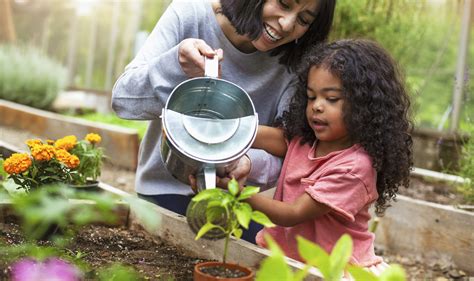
(332, 266)
(49, 206)
(30, 77)
(467, 167)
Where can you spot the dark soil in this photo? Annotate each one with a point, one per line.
(102, 246)
(223, 272)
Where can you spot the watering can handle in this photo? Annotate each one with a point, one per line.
(206, 179)
(211, 66)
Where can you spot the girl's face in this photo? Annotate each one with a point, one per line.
(284, 21)
(325, 106)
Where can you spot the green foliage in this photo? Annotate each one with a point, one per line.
(29, 77)
(118, 272)
(467, 167)
(91, 157)
(232, 207)
(423, 38)
(331, 266)
(113, 119)
(48, 207)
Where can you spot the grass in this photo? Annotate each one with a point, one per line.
(113, 119)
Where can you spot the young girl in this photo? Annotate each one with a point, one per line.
(346, 145)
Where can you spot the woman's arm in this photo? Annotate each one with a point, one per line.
(271, 140)
(284, 214)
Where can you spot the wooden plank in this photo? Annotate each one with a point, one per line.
(413, 226)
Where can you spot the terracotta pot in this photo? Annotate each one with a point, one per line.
(201, 276)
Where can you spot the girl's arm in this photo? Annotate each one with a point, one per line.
(284, 214)
(271, 140)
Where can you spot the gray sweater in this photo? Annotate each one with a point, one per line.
(141, 91)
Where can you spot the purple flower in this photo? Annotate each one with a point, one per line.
(51, 269)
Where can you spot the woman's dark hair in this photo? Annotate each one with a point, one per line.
(246, 17)
(376, 108)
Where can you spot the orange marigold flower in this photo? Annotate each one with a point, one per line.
(62, 155)
(68, 142)
(43, 152)
(93, 138)
(33, 142)
(72, 162)
(17, 163)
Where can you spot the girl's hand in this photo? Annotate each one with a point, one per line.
(191, 56)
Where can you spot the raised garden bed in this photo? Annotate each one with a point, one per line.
(410, 227)
(171, 251)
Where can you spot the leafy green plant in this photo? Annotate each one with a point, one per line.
(90, 156)
(227, 211)
(331, 266)
(29, 77)
(467, 168)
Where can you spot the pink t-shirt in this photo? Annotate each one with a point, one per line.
(343, 180)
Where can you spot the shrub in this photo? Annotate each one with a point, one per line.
(29, 77)
(467, 167)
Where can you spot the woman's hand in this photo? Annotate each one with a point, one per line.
(239, 171)
(191, 56)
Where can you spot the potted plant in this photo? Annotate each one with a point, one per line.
(65, 160)
(226, 213)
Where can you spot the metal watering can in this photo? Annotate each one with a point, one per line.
(208, 124)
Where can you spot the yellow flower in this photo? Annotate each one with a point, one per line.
(71, 161)
(67, 143)
(42, 152)
(17, 163)
(33, 142)
(93, 138)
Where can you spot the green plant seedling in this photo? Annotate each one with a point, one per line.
(229, 204)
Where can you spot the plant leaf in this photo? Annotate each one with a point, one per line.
(204, 229)
(247, 192)
(233, 187)
(360, 274)
(208, 193)
(262, 219)
(340, 255)
(314, 255)
(244, 214)
(238, 233)
(274, 267)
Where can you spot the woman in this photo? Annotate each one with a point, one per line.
(259, 44)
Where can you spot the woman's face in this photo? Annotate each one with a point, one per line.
(284, 21)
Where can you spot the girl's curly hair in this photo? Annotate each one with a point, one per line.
(376, 108)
